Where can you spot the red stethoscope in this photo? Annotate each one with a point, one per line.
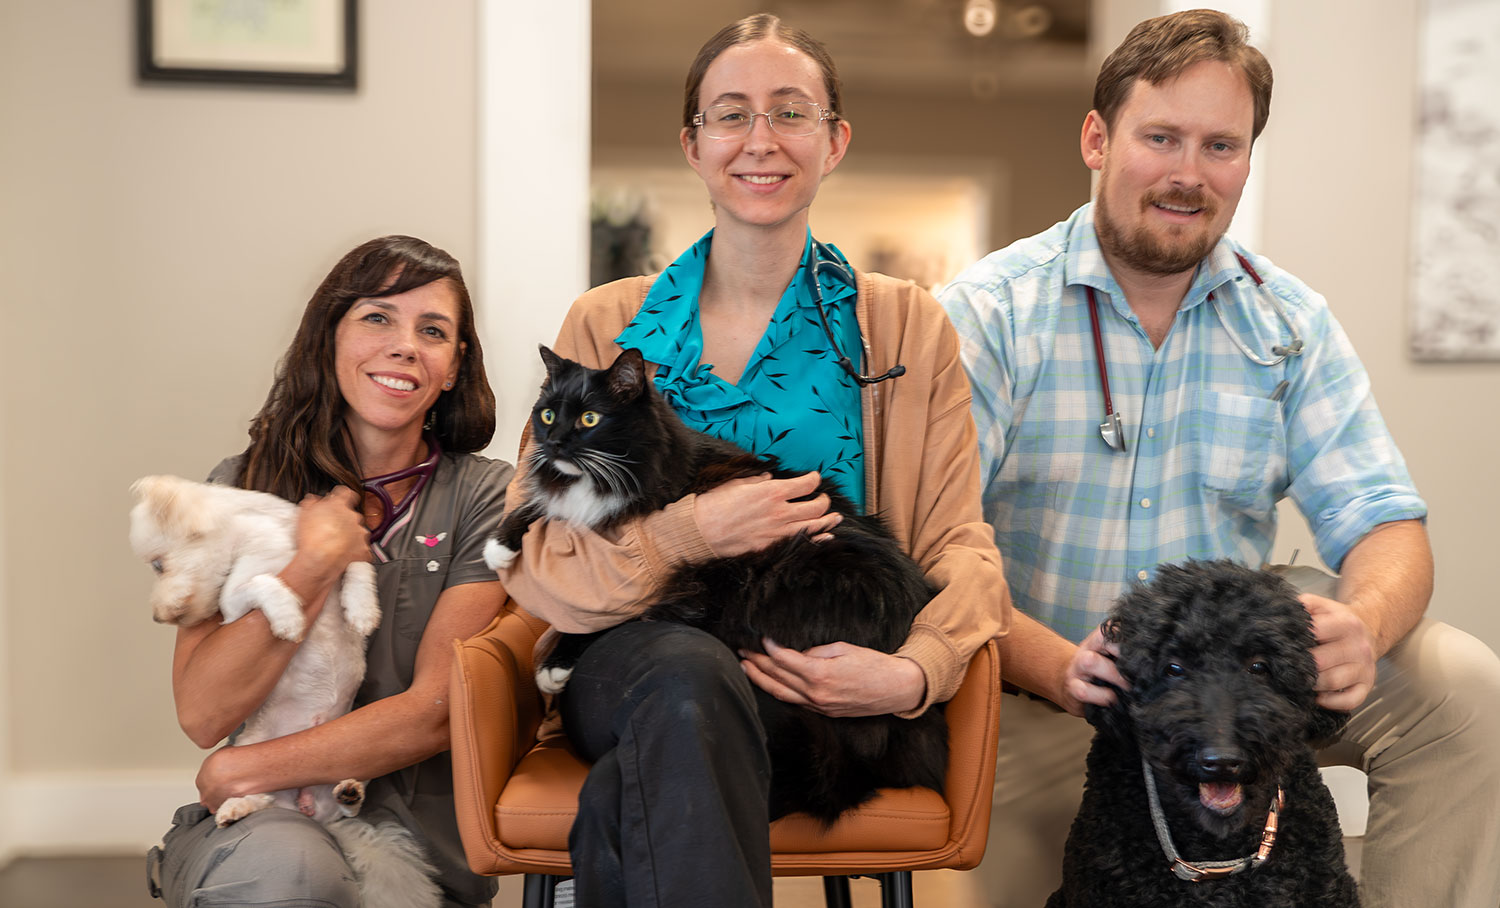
(1112, 430)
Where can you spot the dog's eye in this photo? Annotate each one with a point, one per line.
(1174, 670)
(1259, 667)
(156, 565)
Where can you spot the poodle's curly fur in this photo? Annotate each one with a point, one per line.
(1221, 705)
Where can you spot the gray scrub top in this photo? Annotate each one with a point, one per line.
(439, 546)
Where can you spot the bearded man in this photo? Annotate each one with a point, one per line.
(1146, 390)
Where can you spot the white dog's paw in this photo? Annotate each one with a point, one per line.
(350, 795)
(552, 680)
(361, 604)
(498, 555)
(239, 808)
(282, 608)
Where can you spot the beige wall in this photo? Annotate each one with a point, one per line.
(159, 242)
(1338, 214)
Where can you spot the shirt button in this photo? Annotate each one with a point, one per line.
(1145, 502)
(1141, 575)
(432, 567)
(1150, 432)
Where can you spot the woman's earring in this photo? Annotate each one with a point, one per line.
(431, 420)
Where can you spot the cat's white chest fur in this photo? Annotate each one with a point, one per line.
(581, 504)
(584, 505)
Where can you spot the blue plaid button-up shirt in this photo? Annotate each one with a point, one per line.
(1211, 446)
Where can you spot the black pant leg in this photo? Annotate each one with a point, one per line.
(674, 810)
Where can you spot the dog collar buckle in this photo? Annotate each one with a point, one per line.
(1194, 874)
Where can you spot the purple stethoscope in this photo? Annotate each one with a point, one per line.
(1113, 431)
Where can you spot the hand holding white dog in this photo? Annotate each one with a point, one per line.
(1345, 653)
(331, 533)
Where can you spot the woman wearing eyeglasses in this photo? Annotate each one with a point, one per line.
(745, 333)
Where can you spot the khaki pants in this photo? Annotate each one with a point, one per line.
(1428, 737)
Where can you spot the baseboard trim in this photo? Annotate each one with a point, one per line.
(58, 813)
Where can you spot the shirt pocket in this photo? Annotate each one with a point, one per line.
(422, 581)
(1237, 448)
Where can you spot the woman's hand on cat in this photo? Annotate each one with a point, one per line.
(746, 515)
(837, 679)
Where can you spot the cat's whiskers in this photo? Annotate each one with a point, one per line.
(607, 470)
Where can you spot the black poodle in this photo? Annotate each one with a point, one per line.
(1202, 785)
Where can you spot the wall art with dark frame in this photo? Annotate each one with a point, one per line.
(266, 42)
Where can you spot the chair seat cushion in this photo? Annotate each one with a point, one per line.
(536, 810)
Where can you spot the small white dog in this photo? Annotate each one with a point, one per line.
(216, 551)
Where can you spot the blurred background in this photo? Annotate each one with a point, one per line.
(158, 242)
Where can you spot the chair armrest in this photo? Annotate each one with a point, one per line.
(973, 729)
(494, 711)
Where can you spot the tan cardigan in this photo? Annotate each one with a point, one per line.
(921, 476)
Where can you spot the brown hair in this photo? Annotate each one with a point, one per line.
(749, 30)
(298, 443)
(1162, 48)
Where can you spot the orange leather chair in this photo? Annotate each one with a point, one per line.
(516, 798)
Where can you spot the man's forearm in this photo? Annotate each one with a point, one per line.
(1035, 658)
(1387, 580)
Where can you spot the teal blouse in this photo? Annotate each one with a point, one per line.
(793, 401)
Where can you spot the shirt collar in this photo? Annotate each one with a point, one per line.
(1084, 265)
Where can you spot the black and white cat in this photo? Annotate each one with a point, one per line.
(607, 447)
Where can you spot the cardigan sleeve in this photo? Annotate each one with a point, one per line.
(572, 577)
(930, 489)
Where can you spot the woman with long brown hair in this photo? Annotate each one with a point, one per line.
(371, 424)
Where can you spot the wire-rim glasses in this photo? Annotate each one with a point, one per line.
(730, 121)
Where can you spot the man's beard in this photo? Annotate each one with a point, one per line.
(1144, 250)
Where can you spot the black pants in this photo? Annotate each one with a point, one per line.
(674, 809)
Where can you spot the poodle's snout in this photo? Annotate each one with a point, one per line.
(1220, 764)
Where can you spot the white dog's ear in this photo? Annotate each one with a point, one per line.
(179, 507)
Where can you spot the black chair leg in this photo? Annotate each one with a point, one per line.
(895, 889)
(539, 890)
(836, 892)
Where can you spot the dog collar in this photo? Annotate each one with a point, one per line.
(1209, 870)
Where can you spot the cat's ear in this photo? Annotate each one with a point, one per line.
(551, 360)
(627, 376)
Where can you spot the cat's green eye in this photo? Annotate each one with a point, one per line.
(547, 416)
(589, 419)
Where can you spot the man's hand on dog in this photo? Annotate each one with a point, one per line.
(1089, 672)
(1345, 653)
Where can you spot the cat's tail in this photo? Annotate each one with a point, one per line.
(389, 864)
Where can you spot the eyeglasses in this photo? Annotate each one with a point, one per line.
(798, 118)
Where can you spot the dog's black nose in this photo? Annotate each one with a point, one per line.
(1221, 763)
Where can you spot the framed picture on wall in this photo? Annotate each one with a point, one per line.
(271, 42)
(1456, 209)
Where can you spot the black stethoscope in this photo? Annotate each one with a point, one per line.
(825, 258)
(1113, 431)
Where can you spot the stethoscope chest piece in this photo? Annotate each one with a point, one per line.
(1113, 431)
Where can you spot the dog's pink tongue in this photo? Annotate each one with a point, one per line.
(1220, 795)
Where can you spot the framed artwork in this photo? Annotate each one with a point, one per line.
(271, 42)
(1456, 213)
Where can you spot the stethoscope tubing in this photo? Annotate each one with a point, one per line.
(823, 257)
(1111, 429)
